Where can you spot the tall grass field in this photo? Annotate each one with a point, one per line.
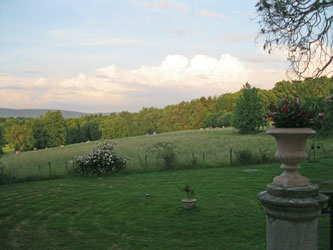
(207, 148)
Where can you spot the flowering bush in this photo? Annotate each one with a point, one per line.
(295, 114)
(101, 160)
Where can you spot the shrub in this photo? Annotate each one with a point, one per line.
(165, 151)
(244, 156)
(101, 160)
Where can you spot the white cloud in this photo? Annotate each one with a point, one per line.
(205, 12)
(175, 79)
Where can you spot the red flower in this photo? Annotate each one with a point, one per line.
(272, 114)
(321, 116)
(286, 101)
(273, 106)
(284, 109)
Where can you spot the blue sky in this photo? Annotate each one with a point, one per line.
(103, 56)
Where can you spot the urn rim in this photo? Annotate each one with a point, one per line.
(308, 131)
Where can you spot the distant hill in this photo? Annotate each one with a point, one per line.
(35, 113)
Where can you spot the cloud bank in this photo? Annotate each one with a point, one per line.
(109, 88)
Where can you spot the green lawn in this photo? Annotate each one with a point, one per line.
(114, 212)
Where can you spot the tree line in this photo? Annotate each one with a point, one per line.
(52, 130)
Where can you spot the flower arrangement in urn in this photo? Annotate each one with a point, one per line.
(295, 114)
(293, 122)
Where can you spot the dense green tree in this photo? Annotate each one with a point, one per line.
(107, 125)
(2, 140)
(89, 128)
(21, 137)
(248, 112)
(226, 102)
(55, 128)
(267, 96)
(169, 120)
(285, 89)
(146, 121)
(197, 115)
(218, 119)
(319, 87)
(122, 125)
(39, 133)
(72, 131)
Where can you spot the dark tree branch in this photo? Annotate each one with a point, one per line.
(302, 26)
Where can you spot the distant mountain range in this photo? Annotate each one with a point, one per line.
(35, 113)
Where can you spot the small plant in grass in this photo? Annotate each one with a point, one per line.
(188, 202)
(101, 160)
(166, 152)
(244, 156)
(187, 189)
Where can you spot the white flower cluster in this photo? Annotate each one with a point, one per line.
(101, 160)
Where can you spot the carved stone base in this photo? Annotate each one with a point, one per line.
(292, 216)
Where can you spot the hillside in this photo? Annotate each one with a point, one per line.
(34, 113)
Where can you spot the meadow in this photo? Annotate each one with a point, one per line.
(208, 148)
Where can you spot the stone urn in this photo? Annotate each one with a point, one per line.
(291, 150)
(189, 203)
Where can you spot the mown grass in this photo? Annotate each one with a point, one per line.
(210, 148)
(115, 213)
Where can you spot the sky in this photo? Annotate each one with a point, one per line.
(123, 55)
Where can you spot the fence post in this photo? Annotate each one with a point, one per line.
(50, 168)
(230, 152)
(14, 172)
(66, 167)
(203, 157)
(146, 160)
(40, 174)
(215, 156)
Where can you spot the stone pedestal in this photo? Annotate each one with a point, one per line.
(292, 216)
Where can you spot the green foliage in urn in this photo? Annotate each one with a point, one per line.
(188, 190)
(295, 114)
